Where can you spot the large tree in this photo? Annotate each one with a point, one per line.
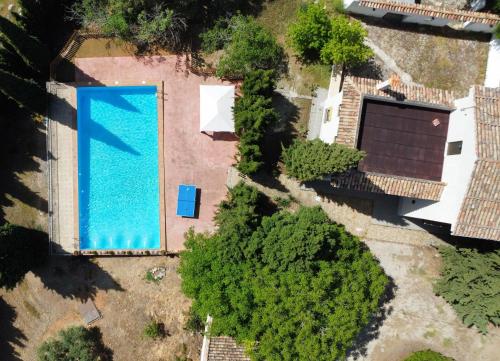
(75, 343)
(470, 282)
(290, 286)
(308, 160)
(312, 30)
(346, 46)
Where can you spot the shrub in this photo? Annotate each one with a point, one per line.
(312, 30)
(21, 250)
(247, 46)
(427, 355)
(295, 286)
(308, 160)
(346, 46)
(253, 113)
(75, 344)
(194, 323)
(161, 26)
(470, 282)
(154, 330)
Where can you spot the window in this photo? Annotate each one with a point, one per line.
(454, 148)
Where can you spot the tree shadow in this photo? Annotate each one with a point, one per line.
(10, 335)
(105, 353)
(22, 145)
(76, 277)
(371, 69)
(372, 330)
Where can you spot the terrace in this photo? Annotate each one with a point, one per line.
(186, 156)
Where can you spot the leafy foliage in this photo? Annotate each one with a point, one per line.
(470, 282)
(253, 112)
(21, 250)
(75, 344)
(146, 23)
(427, 355)
(247, 46)
(154, 330)
(346, 47)
(308, 160)
(312, 30)
(289, 286)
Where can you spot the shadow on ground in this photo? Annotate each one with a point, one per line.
(10, 336)
(372, 330)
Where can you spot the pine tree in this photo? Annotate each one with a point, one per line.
(31, 50)
(33, 18)
(26, 93)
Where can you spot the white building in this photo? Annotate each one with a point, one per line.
(408, 12)
(439, 153)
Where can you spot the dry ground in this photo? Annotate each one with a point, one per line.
(48, 302)
(434, 57)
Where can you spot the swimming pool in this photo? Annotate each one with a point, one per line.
(118, 184)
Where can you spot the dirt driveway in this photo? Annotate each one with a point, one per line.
(417, 319)
(48, 301)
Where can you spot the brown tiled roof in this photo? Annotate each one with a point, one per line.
(480, 213)
(432, 11)
(353, 91)
(355, 88)
(224, 348)
(388, 184)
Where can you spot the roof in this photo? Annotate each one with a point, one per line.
(432, 11)
(354, 91)
(225, 348)
(401, 139)
(479, 215)
(216, 108)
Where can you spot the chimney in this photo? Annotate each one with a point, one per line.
(392, 82)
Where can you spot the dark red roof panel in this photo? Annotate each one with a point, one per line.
(401, 139)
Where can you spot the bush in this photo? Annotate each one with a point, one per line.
(161, 26)
(154, 330)
(295, 286)
(312, 30)
(346, 46)
(427, 355)
(253, 113)
(21, 250)
(75, 344)
(247, 46)
(470, 282)
(308, 160)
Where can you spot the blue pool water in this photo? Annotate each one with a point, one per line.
(118, 181)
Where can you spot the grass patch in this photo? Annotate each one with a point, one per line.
(447, 342)
(430, 333)
(276, 16)
(150, 278)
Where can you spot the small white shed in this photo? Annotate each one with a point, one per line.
(216, 108)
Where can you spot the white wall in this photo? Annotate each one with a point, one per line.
(492, 79)
(330, 125)
(353, 6)
(457, 169)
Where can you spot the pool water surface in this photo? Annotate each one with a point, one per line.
(118, 183)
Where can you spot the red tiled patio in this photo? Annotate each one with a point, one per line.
(190, 157)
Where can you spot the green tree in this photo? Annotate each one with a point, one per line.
(25, 92)
(30, 49)
(253, 113)
(427, 355)
(160, 26)
(75, 344)
(293, 286)
(346, 46)
(308, 160)
(247, 46)
(21, 250)
(470, 282)
(312, 30)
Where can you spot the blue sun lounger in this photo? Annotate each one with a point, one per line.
(186, 200)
